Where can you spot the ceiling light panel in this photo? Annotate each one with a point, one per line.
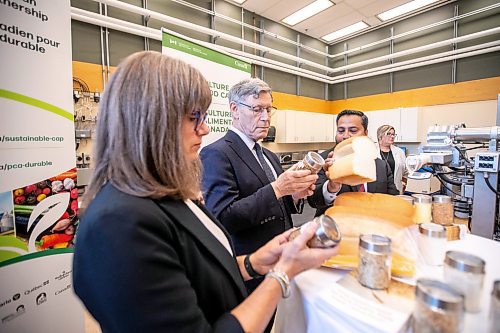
(239, 1)
(403, 9)
(345, 31)
(308, 11)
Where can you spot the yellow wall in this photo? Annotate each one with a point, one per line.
(300, 103)
(470, 91)
(91, 74)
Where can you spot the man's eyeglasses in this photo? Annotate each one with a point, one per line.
(394, 135)
(270, 110)
(199, 118)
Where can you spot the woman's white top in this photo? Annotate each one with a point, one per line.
(400, 170)
(210, 225)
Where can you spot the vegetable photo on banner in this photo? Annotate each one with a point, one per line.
(59, 231)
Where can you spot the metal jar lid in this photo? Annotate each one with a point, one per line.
(313, 161)
(465, 262)
(328, 232)
(422, 198)
(375, 243)
(432, 230)
(495, 292)
(406, 198)
(439, 294)
(441, 199)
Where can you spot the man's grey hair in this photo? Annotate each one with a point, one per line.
(247, 87)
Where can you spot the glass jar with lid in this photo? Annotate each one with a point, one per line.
(438, 308)
(374, 264)
(327, 234)
(423, 208)
(465, 272)
(442, 209)
(432, 243)
(495, 308)
(312, 161)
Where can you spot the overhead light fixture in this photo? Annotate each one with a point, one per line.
(403, 9)
(345, 31)
(308, 11)
(239, 1)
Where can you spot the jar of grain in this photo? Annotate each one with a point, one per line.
(438, 308)
(423, 208)
(374, 264)
(465, 272)
(442, 209)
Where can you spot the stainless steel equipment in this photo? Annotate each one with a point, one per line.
(469, 181)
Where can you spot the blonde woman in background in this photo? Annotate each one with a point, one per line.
(393, 155)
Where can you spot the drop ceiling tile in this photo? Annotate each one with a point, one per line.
(327, 16)
(340, 23)
(356, 4)
(378, 7)
(259, 6)
(284, 8)
(342, 14)
(372, 21)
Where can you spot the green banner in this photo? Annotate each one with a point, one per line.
(180, 44)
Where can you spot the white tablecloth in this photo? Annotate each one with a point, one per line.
(300, 313)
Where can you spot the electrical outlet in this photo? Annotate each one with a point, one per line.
(83, 134)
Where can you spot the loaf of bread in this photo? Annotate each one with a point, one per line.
(347, 258)
(377, 201)
(358, 213)
(354, 161)
(355, 221)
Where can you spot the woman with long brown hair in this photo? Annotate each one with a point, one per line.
(149, 257)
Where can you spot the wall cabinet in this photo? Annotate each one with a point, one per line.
(304, 127)
(404, 120)
(382, 117)
(409, 125)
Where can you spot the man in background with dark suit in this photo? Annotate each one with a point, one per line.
(349, 123)
(243, 183)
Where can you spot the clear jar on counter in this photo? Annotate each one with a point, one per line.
(495, 308)
(312, 161)
(432, 243)
(327, 235)
(465, 272)
(442, 209)
(423, 208)
(439, 308)
(406, 198)
(374, 264)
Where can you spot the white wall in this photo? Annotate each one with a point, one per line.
(473, 114)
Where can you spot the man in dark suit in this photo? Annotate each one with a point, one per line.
(349, 123)
(243, 183)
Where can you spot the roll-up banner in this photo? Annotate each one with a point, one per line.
(221, 71)
(38, 195)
